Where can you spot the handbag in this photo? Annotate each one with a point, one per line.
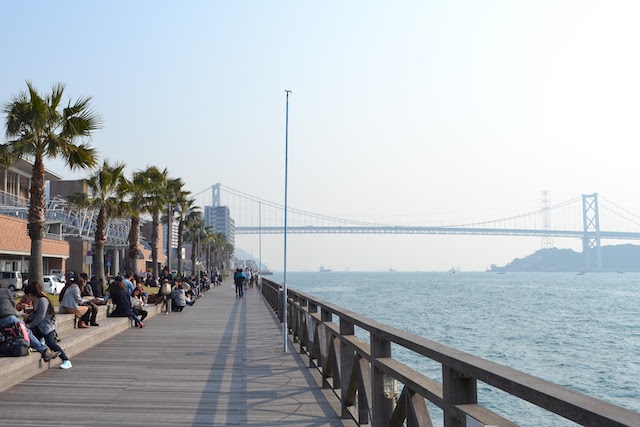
(14, 340)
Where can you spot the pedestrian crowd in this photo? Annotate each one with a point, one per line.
(31, 323)
(244, 280)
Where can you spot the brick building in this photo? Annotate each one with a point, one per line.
(15, 244)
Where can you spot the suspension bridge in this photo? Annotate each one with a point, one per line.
(589, 217)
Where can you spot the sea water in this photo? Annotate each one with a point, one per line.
(579, 331)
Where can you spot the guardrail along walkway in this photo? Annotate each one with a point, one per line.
(217, 363)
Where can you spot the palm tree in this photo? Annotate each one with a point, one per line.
(104, 195)
(195, 232)
(206, 239)
(176, 197)
(219, 244)
(37, 128)
(155, 203)
(187, 214)
(135, 191)
(229, 249)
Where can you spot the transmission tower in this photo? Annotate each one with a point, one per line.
(547, 240)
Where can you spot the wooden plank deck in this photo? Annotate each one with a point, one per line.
(218, 363)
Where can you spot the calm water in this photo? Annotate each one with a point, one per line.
(577, 331)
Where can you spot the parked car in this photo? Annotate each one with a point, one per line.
(52, 284)
(59, 273)
(11, 280)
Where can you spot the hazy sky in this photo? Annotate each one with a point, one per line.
(408, 112)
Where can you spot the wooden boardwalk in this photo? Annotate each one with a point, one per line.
(218, 363)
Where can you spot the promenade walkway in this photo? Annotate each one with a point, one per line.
(218, 363)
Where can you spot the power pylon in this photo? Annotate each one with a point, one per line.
(547, 240)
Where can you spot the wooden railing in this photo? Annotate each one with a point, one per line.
(362, 373)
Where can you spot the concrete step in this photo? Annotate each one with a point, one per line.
(14, 370)
(64, 322)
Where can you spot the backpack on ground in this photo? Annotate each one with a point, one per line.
(14, 340)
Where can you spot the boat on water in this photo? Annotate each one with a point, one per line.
(581, 273)
(453, 270)
(266, 273)
(392, 269)
(324, 270)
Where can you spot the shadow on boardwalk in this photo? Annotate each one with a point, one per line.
(218, 363)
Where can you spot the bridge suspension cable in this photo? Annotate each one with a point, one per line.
(255, 215)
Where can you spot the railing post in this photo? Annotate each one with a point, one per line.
(302, 323)
(313, 308)
(346, 363)
(326, 316)
(293, 320)
(381, 407)
(457, 389)
(281, 298)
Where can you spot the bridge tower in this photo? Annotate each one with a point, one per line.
(591, 236)
(215, 195)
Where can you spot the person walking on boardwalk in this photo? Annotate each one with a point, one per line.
(238, 279)
(42, 320)
(247, 278)
(165, 293)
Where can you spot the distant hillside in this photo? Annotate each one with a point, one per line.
(243, 255)
(614, 258)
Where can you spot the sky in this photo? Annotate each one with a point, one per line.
(421, 112)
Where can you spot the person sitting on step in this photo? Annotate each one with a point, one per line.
(8, 316)
(143, 295)
(97, 286)
(137, 304)
(178, 295)
(71, 302)
(86, 291)
(122, 302)
(42, 320)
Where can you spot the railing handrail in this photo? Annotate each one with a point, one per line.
(565, 402)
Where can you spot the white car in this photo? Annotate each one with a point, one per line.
(52, 284)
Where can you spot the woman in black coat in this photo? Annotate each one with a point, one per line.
(122, 301)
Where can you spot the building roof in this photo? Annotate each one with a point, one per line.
(26, 167)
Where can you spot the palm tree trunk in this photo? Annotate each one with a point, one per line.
(154, 243)
(169, 235)
(134, 239)
(101, 226)
(36, 220)
(193, 258)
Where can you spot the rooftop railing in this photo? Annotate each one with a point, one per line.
(75, 221)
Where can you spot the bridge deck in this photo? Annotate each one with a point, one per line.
(218, 363)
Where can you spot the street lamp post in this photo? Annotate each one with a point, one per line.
(199, 258)
(286, 183)
(260, 249)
